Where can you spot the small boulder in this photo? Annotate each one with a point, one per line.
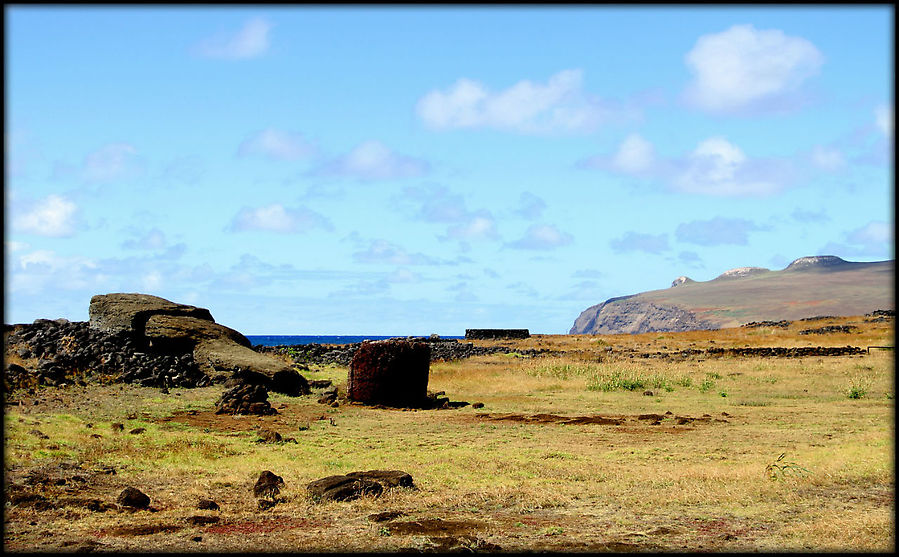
(207, 505)
(134, 498)
(268, 485)
(356, 484)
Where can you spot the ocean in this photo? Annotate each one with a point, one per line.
(288, 340)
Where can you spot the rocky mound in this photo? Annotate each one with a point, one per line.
(137, 338)
(815, 261)
(166, 327)
(631, 315)
(69, 353)
(741, 272)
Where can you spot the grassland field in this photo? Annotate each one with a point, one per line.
(742, 454)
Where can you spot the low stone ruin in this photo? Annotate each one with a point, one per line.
(390, 372)
(481, 334)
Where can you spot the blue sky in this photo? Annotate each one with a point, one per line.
(396, 171)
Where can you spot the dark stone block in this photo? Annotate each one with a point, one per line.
(481, 334)
(390, 372)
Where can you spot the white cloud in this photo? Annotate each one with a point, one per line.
(717, 231)
(382, 251)
(718, 167)
(276, 144)
(746, 68)
(277, 218)
(876, 232)
(480, 226)
(875, 239)
(560, 104)
(530, 206)
(372, 160)
(828, 158)
(53, 216)
(249, 42)
(111, 162)
(635, 155)
(154, 239)
(883, 118)
(637, 241)
(13, 246)
(44, 271)
(542, 237)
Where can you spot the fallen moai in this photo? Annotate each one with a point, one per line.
(166, 327)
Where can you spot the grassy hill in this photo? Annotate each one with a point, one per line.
(808, 287)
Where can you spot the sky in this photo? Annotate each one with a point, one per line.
(385, 170)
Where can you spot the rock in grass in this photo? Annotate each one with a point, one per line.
(134, 498)
(207, 505)
(268, 485)
(356, 484)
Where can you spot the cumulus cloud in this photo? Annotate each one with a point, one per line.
(636, 241)
(277, 218)
(744, 68)
(717, 231)
(250, 41)
(530, 206)
(153, 239)
(479, 226)
(715, 167)
(45, 271)
(382, 251)
(111, 162)
(53, 216)
(560, 104)
(277, 145)
(635, 155)
(875, 239)
(542, 237)
(828, 158)
(372, 160)
(718, 167)
(438, 204)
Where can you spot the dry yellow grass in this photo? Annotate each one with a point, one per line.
(518, 485)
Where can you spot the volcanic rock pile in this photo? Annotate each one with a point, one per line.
(442, 349)
(69, 353)
(138, 338)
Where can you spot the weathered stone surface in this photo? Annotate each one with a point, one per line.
(343, 488)
(268, 485)
(356, 484)
(390, 372)
(133, 497)
(218, 355)
(178, 333)
(128, 312)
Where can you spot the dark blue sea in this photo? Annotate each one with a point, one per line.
(288, 340)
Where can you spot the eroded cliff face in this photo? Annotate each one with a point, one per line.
(631, 315)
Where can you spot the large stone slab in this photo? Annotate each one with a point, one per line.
(129, 312)
(181, 333)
